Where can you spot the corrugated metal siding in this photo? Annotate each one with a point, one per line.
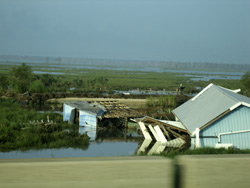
(239, 140)
(66, 112)
(208, 142)
(87, 119)
(237, 120)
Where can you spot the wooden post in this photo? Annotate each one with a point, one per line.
(126, 122)
(197, 138)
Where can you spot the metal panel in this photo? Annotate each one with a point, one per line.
(237, 120)
(67, 111)
(208, 142)
(93, 109)
(87, 119)
(240, 140)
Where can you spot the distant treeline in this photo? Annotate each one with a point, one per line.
(21, 79)
(206, 66)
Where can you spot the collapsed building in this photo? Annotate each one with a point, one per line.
(91, 114)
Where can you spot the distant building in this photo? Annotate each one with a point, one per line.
(87, 113)
(217, 117)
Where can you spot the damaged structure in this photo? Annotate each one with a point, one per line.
(89, 114)
(83, 112)
(216, 117)
(166, 134)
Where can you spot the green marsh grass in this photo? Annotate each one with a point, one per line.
(19, 129)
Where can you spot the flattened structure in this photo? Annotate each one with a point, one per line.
(114, 109)
(93, 109)
(171, 124)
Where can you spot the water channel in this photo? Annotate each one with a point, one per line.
(103, 143)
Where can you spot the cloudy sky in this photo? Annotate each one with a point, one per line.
(163, 30)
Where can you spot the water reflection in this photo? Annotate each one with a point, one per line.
(110, 134)
(150, 147)
(158, 147)
(90, 132)
(103, 142)
(103, 149)
(144, 146)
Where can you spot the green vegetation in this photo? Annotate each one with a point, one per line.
(160, 107)
(162, 101)
(20, 78)
(71, 80)
(246, 83)
(19, 129)
(172, 153)
(3, 82)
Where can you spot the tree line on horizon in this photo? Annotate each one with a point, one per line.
(21, 79)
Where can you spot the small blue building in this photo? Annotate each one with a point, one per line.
(217, 117)
(88, 113)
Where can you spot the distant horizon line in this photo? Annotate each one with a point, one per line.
(114, 59)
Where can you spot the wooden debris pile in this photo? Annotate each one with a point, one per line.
(114, 109)
(165, 133)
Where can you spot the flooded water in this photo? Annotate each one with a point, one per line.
(146, 92)
(193, 74)
(145, 69)
(53, 73)
(95, 149)
(103, 143)
(213, 77)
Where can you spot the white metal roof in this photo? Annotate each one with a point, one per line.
(210, 103)
(174, 123)
(94, 109)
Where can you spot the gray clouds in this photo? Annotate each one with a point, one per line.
(164, 30)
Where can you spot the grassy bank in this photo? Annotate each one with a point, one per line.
(172, 153)
(22, 129)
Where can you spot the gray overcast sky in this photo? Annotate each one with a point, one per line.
(163, 30)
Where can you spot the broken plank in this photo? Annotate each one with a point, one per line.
(154, 133)
(144, 131)
(160, 134)
(166, 132)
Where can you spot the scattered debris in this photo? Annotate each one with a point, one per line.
(166, 134)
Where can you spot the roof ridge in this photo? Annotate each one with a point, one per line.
(228, 95)
(202, 91)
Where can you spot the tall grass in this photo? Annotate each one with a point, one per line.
(162, 101)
